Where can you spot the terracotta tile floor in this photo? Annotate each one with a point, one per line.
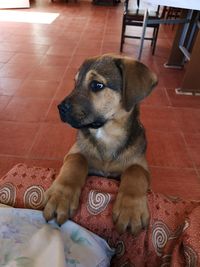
(37, 67)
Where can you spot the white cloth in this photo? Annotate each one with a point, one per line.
(26, 240)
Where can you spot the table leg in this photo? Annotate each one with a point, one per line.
(176, 57)
(191, 80)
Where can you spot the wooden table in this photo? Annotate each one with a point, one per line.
(178, 53)
(187, 4)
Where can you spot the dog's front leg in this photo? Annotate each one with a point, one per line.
(62, 198)
(130, 211)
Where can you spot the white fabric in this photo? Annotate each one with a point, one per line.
(27, 241)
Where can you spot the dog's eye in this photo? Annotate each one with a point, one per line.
(96, 86)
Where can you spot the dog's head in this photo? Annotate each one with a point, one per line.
(105, 86)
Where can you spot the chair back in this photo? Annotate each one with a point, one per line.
(126, 5)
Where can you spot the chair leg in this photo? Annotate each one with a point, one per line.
(122, 34)
(155, 40)
(143, 34)
(153, 36)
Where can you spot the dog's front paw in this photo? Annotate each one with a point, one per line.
(130, 213)
(61, 202)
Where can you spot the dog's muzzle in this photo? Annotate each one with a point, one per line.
(65, 111)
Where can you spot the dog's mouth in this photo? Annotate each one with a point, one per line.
(93, 125)
(96, 124)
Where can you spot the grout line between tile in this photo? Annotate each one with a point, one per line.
(104, 30)
(189, 154)
(168, 98)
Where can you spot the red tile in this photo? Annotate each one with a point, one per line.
(37, 49)
(110, 47)
(16, 71)
(27, 38)
(38, 88)
(42, 40)
(184, 191)
(53, 142)
(184, 176)
(25, 59)
(53, 114)
(88, 52)
(77, 60)
(158, 97)
(170, 79)
(112, 37)
(188, 119)
(71, 72)
(4, 100)
(77, 27)
(8, 47)
(159, 118)
(193, 144)
(9, 86)
(25, 109)
(96, 36)
(69, 41)
(167, 149)
(16, 138)
(64, 89)
(179, 182)
(88, 49)
(21, 47)
(69, 35)
(47, 73)
(61, 50)
(51, 60)
(198, 172)
(184, 101)
(5, 56)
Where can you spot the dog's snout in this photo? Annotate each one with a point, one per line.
(65, 107)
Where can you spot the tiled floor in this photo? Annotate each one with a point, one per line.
(37, 67)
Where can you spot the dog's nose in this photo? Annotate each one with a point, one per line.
(65, 106)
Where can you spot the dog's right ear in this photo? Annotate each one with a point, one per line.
(138, 81)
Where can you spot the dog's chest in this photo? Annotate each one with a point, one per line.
(105, 154)
(102, 136)
(107, 142)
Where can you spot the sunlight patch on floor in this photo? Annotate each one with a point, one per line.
(29, 17)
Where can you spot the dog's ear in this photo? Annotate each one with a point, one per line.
(138, 81)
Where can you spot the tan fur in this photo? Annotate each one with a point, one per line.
(105, 150)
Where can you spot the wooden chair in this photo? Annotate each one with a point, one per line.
(135, 17)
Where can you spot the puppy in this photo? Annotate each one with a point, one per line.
(111, 140)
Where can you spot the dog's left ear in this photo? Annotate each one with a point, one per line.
(138, 81)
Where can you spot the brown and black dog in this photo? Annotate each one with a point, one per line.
(111, 140)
